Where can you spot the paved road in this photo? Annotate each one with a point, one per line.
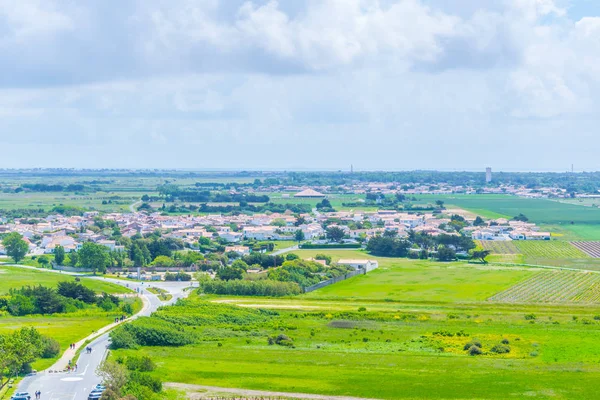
(134, 205)
(283, 251)
(77, 385)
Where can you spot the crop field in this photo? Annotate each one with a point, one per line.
(592, 249)
(575, 222)
(556, 287)
(499, 246)
(549, 249)
(15, 277)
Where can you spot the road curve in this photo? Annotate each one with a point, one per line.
(77, 385)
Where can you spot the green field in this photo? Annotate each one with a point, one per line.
(549, 249)
(554, 287)
(572, 221)
(15, 277)
(404, 324)
(425, 281)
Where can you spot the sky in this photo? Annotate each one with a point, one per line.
(300, 84)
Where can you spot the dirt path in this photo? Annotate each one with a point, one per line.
(196, 392)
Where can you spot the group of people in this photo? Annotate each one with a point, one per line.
(72, 346)
(120, 319)
(88, 350)
(38, 394)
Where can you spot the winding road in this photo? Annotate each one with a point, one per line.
(77, 385)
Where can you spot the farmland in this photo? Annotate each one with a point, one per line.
(557, 287)
(590, 248)
(499, 246)
(573, 221)
(549, 249)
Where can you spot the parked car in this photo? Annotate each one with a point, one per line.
(20, 396)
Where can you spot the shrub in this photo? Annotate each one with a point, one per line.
(264, 287)
(361, 309)
(505, 341)
(281, 340)
(127, 308)
(142, 364)
(123, 339)
(475, 351)
(474, 342)
(530, 317)
(500, 349)
(50, 347)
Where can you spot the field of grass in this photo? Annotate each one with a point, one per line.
(425, 281)
(65, 328)
(415, 349)
(15, 277)
(573, 221)
(554, 287)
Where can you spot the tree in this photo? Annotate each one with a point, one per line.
(326, 204)
(440, 204)
(480, 254)
(335, 234)
(15, 246)
(299, 235)
(145, 198)
(43, 260)
(75, 290)
(73, 258)
(59, 255)
(230, 273)
(114, 376)
(521, 218)
(291, 256)
(94, 256)
(445, 253)
(163, 262)
(323, 257)
(478, 221)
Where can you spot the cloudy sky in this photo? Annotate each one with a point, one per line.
(300, 84)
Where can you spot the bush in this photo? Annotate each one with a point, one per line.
(180, 276)
(265, 287)
(123, 339)
(500, 349)
(50, 347)
(530, 317)
(505, 341)
(283, 340)
(127, 308)
(474, 342)
(475, 351)
(142, 364)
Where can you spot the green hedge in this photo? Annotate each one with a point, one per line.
(331, 246)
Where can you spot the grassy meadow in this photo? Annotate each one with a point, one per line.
(398, 332)
(15, 277)
(571, 221)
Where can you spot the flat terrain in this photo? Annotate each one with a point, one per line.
(405, 324)
(573, 222)
(425, 281)
(15, 277)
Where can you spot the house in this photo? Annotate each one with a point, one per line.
(366, 265)
(231, 237)
(310, 194)
(537, 236)
(241, 250)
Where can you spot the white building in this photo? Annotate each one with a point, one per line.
(367, 265)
